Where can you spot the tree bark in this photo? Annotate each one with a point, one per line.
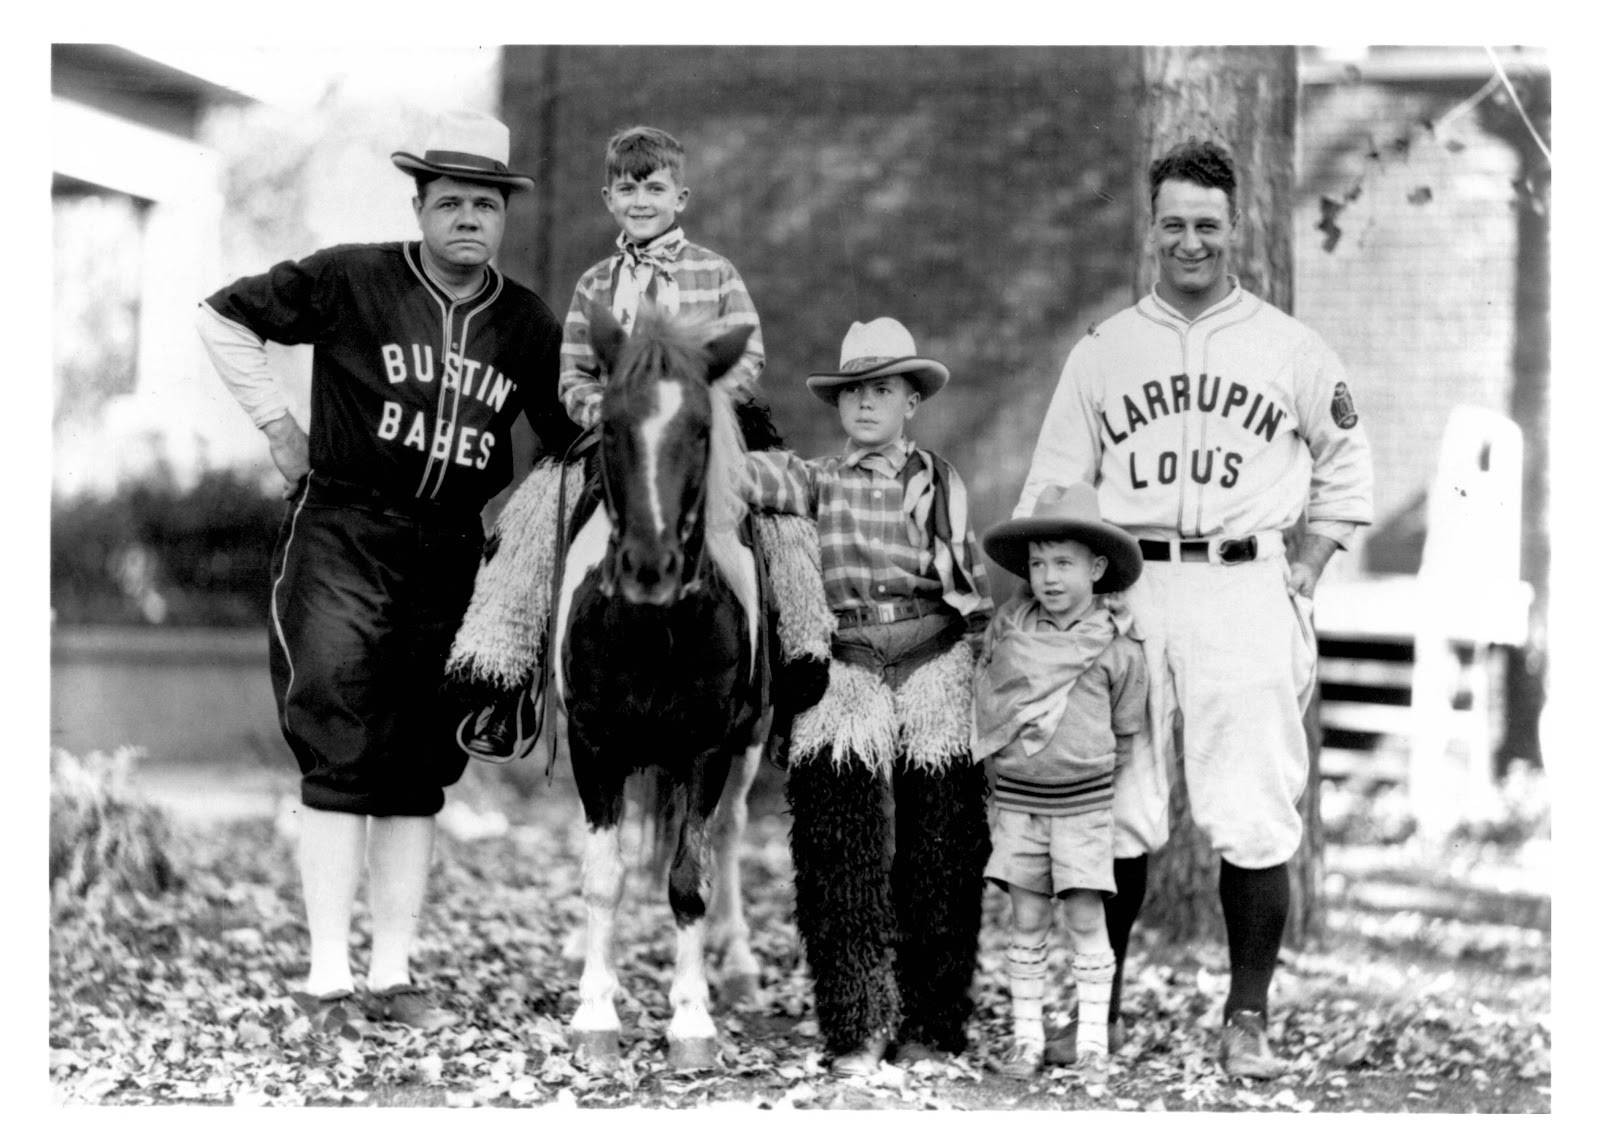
(1245, 99)
(1530, 405)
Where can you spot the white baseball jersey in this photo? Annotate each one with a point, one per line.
(1224, 426)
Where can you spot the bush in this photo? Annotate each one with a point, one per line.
(151, 553)
(102, 838)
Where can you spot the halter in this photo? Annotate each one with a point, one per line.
(691, 531)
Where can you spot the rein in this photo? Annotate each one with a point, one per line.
(545, 697)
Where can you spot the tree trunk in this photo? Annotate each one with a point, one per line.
(1530, 405)
(1246, 99)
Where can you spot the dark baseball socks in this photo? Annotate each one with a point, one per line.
(1255, 908)
(1121, 910)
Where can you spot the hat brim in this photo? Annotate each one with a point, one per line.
(926, 376)
(1007, 544)
(510, 179)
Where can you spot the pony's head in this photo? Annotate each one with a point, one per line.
(665, 437)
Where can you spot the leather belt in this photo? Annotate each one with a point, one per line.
(342, 493)
(878, 613)
(1228, 552)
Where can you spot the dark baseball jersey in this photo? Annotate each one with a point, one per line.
(413, 391)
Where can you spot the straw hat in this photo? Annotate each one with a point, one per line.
(1067, 513)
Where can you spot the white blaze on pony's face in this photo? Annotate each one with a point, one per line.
(652, 432)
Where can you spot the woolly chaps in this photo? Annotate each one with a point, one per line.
(888, 902)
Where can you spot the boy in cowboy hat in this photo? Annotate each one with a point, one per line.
(375, 561)
(891, 940)
(1060, 692)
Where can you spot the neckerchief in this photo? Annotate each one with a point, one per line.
(886, 460)
(646, 274)
(936, 508)
(1022, 688)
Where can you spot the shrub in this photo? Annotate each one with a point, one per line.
(152, 553)
(102, 837)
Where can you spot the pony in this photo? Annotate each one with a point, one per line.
(660, 649)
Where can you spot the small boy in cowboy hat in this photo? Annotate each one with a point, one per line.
(1060, 692)
(888, 901)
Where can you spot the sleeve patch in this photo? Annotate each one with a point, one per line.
(1343, 408)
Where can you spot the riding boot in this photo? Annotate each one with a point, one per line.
(941, 847)
(843, 910)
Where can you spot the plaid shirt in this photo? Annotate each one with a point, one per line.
(871, 550)
(708, 289)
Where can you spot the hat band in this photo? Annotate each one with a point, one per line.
(463, 159)
(862, 364)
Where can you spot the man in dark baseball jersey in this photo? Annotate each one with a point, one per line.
(424, 356)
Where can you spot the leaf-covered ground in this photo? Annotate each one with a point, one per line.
(184, 999)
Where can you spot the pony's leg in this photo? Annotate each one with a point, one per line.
(740, 981)
(595, 1029)
(692, 1035)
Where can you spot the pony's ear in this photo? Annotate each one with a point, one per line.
(605, 335)
(726, 349)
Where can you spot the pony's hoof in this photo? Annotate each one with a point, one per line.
(740, 989)
(692, 1053)
(601, 1049)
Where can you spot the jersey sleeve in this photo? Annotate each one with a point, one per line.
(734, 308)
(1068, 449)
(293, 303)
(1341, 458)
(580, 385)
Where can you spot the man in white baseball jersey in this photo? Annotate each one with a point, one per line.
(1209, 421)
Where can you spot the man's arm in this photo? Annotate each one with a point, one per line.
(1341, 463)
(1068, 450)
(240, 358)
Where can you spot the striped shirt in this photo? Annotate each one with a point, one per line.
(1073, 773)
(874, 547)
(673, 274)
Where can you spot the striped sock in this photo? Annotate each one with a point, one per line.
(1094, 972)
(1025, 967)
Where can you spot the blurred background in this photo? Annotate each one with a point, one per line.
(988, 197)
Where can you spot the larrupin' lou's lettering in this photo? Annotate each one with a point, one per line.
(1174, 395)
(1179, 393)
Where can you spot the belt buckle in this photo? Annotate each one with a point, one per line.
(886, 611)
(1233, 551)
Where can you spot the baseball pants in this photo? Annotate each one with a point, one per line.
(1232, 661)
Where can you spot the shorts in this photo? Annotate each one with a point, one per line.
(1052, 854)
(1232, 662)
(365, 604)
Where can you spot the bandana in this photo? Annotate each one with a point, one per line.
(645, 275)
(1021, 689)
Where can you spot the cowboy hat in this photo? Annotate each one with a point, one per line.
(1067, 513)
(468, 145)
(879, 348)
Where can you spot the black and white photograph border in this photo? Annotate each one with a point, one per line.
(1417, 972)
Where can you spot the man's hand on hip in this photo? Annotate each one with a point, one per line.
(290, 449)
